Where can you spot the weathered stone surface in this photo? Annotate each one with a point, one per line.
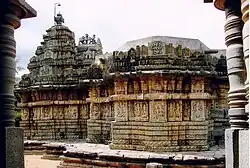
(243, 148)
(14, 147)
(85, 154)
(154, 97)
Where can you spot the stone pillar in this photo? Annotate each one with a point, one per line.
(235, 65)
(237, 92)
(244, 135)
(11, 139)
(245, 34)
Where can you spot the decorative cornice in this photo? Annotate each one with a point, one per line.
(27, 10)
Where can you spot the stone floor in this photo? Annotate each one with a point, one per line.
(80, 146)
(35, 161)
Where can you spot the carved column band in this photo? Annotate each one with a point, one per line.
(245, 34)
(235, 64)
(9, 21)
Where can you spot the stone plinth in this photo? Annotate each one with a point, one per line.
(160, 137)
(236, 145)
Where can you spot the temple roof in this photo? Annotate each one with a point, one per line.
(193, 44)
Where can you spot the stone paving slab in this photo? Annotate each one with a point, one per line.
(80, 148)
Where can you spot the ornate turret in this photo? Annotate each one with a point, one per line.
(88, 47)
(54, 78)
(54, 59)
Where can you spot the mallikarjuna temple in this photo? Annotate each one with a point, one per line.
(156, 94)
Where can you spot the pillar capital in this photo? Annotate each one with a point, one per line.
(14, 10)
(219, 4)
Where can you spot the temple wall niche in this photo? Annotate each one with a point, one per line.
(158, 111)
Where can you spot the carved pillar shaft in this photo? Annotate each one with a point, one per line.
(9, 20)
(245, 34)
(235, 64)
(11, 139)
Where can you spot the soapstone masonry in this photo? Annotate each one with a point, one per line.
(153, 97)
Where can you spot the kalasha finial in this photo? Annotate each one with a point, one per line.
(58, 19)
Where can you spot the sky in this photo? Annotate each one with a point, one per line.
(118, 21)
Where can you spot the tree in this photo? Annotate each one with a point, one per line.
(17, 97)
(18, 68)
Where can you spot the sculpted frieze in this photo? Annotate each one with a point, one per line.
(158, 111)
(179, 85)
(84, 111)
(95, 112)
(174, 110)
(171, 85)
(46, 113)
(105, 111)
(71, 112)
(25, 114)
(156, 47)
(197, 110)
(186, 109)
(121, 110)
(138, 111)
(158, 85)
(144, 86)
(58, 112)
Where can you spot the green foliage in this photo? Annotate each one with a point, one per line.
(17, 111)
(17, 118)
(213, 110)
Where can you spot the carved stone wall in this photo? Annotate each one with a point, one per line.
(163, 114)
(54, 93)
(54, 119)
(157, 97)
(101, 115)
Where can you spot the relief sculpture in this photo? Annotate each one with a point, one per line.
(25, 114)
(140, 111)
(156, 47)
(197, 110)
(105, 111)
(186, 108)
(175, 110)
(121, 110)
(95, 111)
(84, 111)
(158, 111)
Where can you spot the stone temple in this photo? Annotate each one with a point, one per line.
(155, 94)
